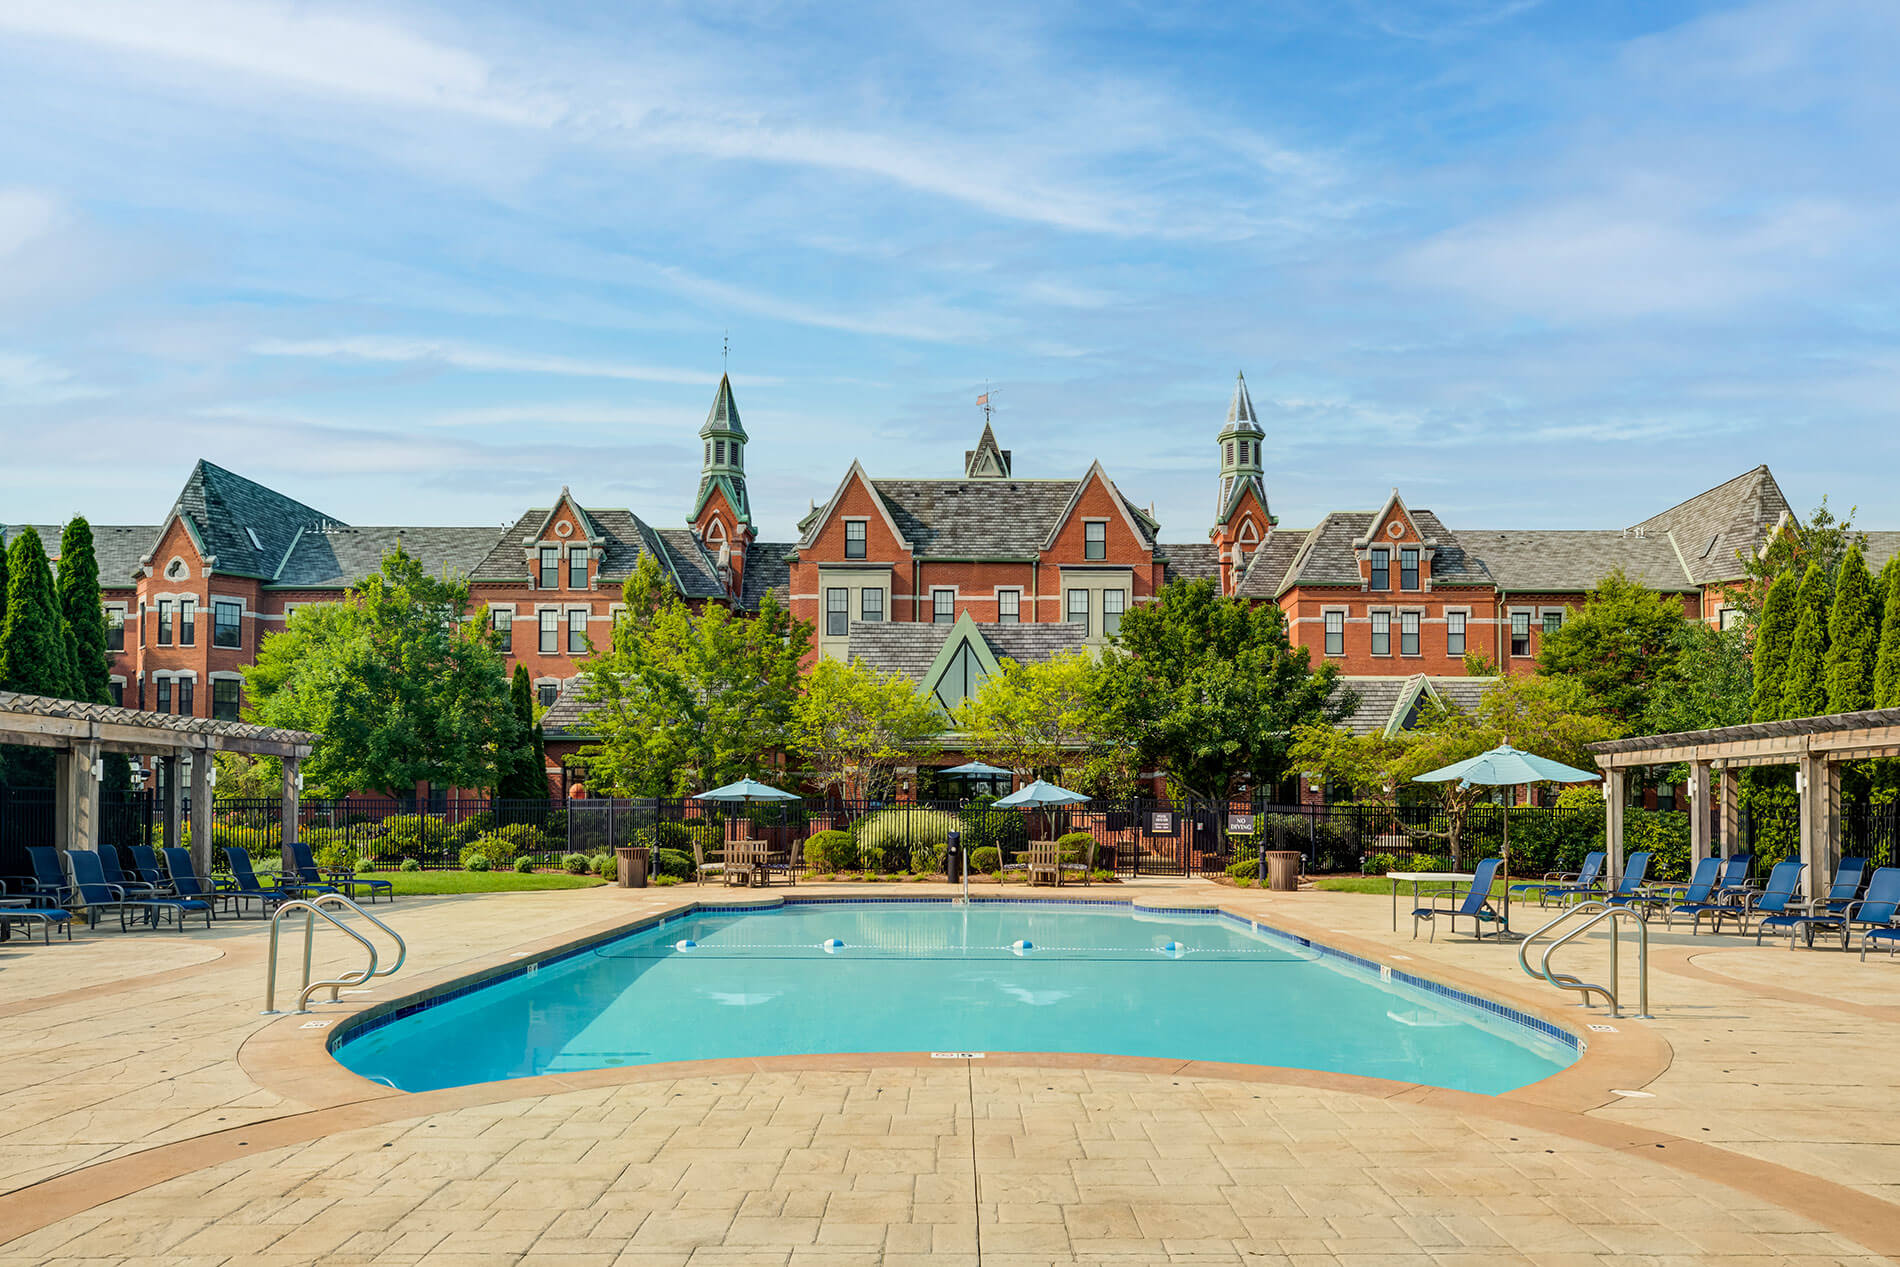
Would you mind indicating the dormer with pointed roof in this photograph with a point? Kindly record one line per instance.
(988, 460)
(1240, 457)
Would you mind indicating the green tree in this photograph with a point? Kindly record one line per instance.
(84, 613)
(1804, 693)
(853, 727)
(1210, 689)
(1887, 661)
(683, 701)
(1050, 716)
(34, 654)
(1623, 640)
(1852, 638)
(1774, 640)
(401, 686)
(521, 758)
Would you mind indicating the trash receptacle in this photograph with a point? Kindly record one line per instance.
(953, 858)
(632, 861)
(1283, 870)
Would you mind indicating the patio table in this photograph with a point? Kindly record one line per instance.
(1439, 878)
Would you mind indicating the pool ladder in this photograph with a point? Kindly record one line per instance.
(312, 910)
(1598, 912)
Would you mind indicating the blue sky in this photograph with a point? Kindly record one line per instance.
(1535, 264)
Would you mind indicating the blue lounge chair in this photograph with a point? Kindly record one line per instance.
(1563, 884)
(1694, 899)
(1473, 904)
(1878, 913)
(1629, 889)
(1770, 907)
(184, 878)
(244, 886)
(316, 881)
(37, 913)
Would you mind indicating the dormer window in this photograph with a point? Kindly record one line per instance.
(550, 568)
(1408, 569)
(1381, 578)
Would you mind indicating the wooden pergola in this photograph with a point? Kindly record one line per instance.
(81, 734)
(1815, 746)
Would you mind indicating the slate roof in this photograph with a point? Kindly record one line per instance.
(768, 566)
(1386, 700)
(911, 647)
(1522, 560)
(226, 509)
(1710, 528)
(117, 547)
(339, 557)
(1191, 561)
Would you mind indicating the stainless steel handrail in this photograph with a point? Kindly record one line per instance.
(1598, 912)
(311, 909)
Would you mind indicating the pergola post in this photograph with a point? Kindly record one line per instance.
(201, 810)
(82, 785)
(1731, 811)
(1613, 822)
(174, 805)
(289, 833)
(1698, 812)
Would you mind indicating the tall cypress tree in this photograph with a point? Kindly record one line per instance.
(84, 615)
(33, 652)
(1804, 694)
(1773, 639)
(1852, 638)
(1887, 659)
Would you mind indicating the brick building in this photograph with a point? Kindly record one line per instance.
(933, 577)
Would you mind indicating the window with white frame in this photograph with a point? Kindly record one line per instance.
(1454, 633)
(943, 606)
(837, 612)
(1520, 633)
(1335, 633)
(1408, 633)
(577, 631)
(1114, 602)
(550, 640)
(1095, 539)
(1009, 607)
(854, 538)
(871, 605)
(1381, 633)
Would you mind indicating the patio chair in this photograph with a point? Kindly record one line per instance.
(1770, 907)
(184, 877)
(114, 873)
(1629, 889)
(1562, 884)
(1084, 867)
(243, 886)
(1878, 913)
(314, 880)
(1694, 900)
(100, 895)
(1473, 904)
(33, 910)
(1041, 860)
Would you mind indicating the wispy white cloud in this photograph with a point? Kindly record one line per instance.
(388, 349)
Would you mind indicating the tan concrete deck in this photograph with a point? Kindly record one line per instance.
(150, 1115)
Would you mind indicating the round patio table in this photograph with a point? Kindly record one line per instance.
(1443, 878)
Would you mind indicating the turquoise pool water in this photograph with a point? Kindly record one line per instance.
(989, 977)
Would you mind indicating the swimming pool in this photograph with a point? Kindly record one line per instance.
(999, 976)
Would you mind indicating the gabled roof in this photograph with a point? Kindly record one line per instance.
(338, 557)
(1241, 419)
(912, 647)
(118, 548)
(246, 527)
(1387, 705)
(1711, 528)
(724, 414)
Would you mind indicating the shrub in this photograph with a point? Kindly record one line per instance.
(674, 864)
(987, 859)
(498, 850)
(831, 851)
(575, 864)
(606, 867)
(1075, 846)
(474, 862)
(410, 864)
(888, 839)
(524, 866)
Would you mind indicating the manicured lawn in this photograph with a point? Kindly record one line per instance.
(426, 882)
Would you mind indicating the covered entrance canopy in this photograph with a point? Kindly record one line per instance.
(1815, 746)
(82, 733)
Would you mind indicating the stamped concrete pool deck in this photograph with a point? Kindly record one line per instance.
(150, 1115)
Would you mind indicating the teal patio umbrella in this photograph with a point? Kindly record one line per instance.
(1505, 766)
